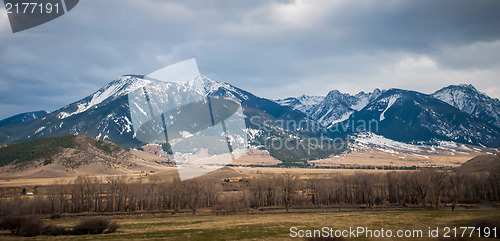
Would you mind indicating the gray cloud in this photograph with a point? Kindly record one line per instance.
(271, 48)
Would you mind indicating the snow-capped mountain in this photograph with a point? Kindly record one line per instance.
(468, 99)
(409, 116)
(23, 117)
(302, 103)
(362, 99)
(105, 114)
(399, 115)
(334, 108)
(111, 91)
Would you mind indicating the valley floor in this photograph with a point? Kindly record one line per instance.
(274, 226)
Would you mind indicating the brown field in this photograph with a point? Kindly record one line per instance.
(379, 158)
(272, 226)
(139, 164)
(153, 161)
(241, 171)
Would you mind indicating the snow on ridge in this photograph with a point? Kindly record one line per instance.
(381, 143)
(206, 86)
(63, 115)
(472, 101)
(344, 117)
(305, 102)
(126, 84)
(310, 100)
(391, 102)
(369, 139)
(121, 86)
(362, 103)
(39, 130)
(116, 88)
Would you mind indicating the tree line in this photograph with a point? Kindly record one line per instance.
(422, 188)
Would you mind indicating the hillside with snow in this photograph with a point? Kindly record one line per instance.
(455, 114)
(470, 100)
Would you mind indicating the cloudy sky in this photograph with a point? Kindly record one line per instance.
(273, 49)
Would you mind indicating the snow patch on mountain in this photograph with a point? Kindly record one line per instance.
(362, 99)
(128, 83)
(39, 130)
(368, 139)
(344, 117)
(116, 88)
(362, 103)
(390, 102)
(302, 103)
(23, 117)
(335, 107)
(471, 101)
(373, 141)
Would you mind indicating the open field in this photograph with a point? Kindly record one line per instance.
(271, 226)
(377, 158)
(6, 181)
(87, 157)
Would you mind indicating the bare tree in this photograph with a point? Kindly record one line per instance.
(288, 184)
(438, 180)
(421, 181)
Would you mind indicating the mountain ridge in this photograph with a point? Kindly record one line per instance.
(23, 117)
(105, 115)
(468, 99)
(410, 116)
(335, 107)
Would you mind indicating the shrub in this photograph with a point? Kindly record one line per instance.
(113, 226)
(55, 216)
(54, 230)
(12, 223)
(95, 226)
(32, 226)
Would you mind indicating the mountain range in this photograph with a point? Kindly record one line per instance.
(458, 113)
(471, 101)
(105, 115)
(335, 107)
(23, 117)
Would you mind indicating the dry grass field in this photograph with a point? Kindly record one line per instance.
(377, 158)
(270, 226)
(227, 172)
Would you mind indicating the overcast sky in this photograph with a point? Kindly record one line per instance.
(274, 49)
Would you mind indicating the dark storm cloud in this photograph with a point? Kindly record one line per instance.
(271, 48)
